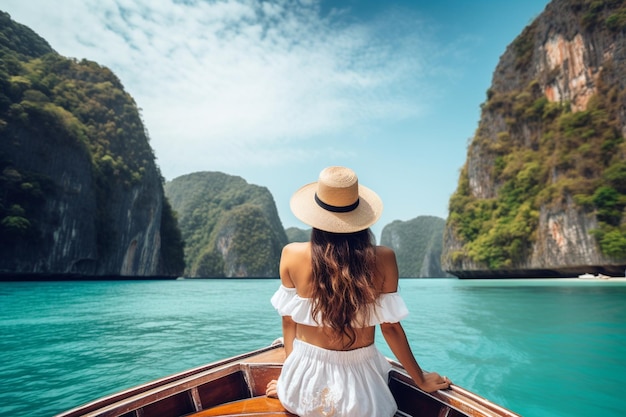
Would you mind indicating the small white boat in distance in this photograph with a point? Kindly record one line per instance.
(599, 276)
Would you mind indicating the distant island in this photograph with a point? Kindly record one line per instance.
(230, 228)
(418, 244)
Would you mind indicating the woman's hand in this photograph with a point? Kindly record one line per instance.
(433, 381)
(270, 391)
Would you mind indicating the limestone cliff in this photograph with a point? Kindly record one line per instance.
(80, 193)
(231, 228)
(543, 189)
(418, 244)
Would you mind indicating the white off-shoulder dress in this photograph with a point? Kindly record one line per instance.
(321, 382)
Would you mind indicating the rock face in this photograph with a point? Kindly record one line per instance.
(69, 239)
(543, 189)
(418, 244)
(80, 191)
(231, 228)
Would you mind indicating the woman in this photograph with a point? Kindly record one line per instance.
(334, 290)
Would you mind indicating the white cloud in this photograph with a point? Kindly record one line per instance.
(232, 79)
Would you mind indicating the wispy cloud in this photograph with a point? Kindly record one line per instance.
(231, 80)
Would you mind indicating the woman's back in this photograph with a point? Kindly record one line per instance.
(297, 272)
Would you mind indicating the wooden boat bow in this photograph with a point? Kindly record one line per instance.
(236, 387)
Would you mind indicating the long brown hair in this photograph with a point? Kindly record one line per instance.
(343, 288)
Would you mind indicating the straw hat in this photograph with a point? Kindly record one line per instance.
(337, 203)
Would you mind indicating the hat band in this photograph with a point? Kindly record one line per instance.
(336, 209)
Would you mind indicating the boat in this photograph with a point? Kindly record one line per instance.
(591, 276)
(236, 387)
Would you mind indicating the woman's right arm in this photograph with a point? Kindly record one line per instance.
(397, 341)
(394, 332)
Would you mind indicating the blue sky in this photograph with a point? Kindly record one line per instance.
(275, 91)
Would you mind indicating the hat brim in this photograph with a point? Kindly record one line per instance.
(305, 208)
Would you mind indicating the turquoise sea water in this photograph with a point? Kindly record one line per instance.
(543, 348)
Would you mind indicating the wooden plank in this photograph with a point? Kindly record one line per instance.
(462, 403)
(257, 406)
(195, 399)
(411, 401)
(231, 387)
(473, 404)
(171, 406)
(276, 355)
(258, 375)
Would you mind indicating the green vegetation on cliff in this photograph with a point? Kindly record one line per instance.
(22, 193)
(21, 198)
(230, 228)
(544, 154)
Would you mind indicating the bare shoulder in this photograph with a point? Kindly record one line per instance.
(296, 248)
(295, 264)
(388, 268)
(385, 253)
(295, 252)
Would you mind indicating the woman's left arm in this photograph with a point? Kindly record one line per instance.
(289, 326)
